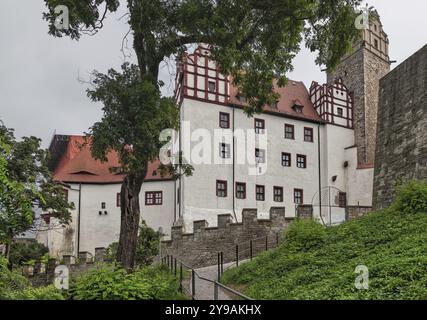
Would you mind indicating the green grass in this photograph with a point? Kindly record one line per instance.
(315, 262)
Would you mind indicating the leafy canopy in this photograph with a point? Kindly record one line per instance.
(25, 184)
(253, 41)
(134, 116)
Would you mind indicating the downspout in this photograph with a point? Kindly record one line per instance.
(320, 172)
(78, 219)
(234, 170)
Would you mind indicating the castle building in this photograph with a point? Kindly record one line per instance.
(313, 147)
(361, 71)
(95, 192)
(303, 150)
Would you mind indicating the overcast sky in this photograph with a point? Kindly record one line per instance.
(40, 91)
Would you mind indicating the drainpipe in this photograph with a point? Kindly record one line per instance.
(78, 219)
(320, 170)
(234, 170)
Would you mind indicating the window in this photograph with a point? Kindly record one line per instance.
(278, 194)
(286, 159)
(259, 126)
(102, 205)
(298, 196)
(301, 161)
(340, 112)
(221, 188)
(118, 199)
(308, 134)
(224, 120)
(240, 190)
(297, 108)
(376, 43)
(260, 193)
(259, 155)
(342, 199)
(289, 131)
(224, 150)
(211, 86)
(153, 198)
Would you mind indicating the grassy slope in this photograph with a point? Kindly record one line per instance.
(319, 263)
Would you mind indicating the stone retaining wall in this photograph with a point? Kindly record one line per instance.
(200, 248)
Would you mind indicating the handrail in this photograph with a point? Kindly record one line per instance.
(237, 293)
(214, 282)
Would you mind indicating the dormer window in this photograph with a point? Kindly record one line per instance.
(297, 108)
(274, 104)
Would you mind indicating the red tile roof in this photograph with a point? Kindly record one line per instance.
(294, 93)
(76, 165)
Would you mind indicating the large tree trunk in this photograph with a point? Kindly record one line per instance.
(130, 216)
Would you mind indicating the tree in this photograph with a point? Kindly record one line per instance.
(26, 183)
(252, 41)
(146, 249)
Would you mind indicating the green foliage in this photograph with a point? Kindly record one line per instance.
(147, 246)
(259, 38)
(305, 235)
(24, 252)
(42, 293)
(134, 117)
(111, 283)
(411, 197)
(320, 264)
(10, 281)
(14, 286)
(25, 183)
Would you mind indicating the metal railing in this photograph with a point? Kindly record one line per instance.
(235, 254)
(179, 272)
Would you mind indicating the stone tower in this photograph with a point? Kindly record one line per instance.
(361, 71)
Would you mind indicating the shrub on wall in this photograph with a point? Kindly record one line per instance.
(22, 252)
(411, 197)
(147, 246)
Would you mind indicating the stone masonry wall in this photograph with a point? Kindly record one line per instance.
(42, 275)
(361, 72)
(401, 151)
(354, 212)
(351, 71)
(201, 248)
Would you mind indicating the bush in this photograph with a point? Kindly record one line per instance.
(147, 246)
(304, 235)
(111, 283)
(22, 252)
(42, 293)
(411, 197)
(14, 286)
(10, 281)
